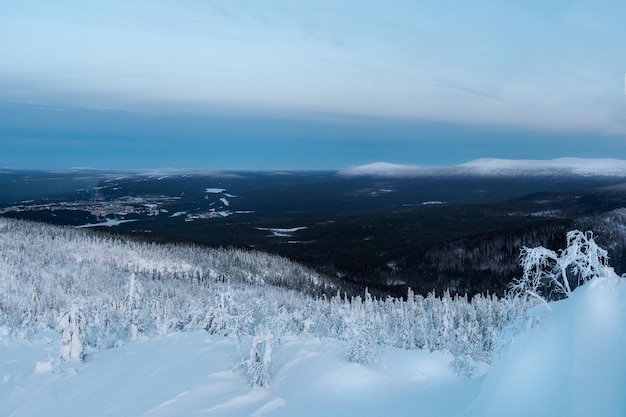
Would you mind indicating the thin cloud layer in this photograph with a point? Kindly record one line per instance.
(555, 65)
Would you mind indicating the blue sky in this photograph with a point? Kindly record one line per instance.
(308, 84)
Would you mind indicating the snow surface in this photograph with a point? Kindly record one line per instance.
(107, 223)
(496, 167)
(570, 364)
(281, 232)
(566, 360)
(191, 374)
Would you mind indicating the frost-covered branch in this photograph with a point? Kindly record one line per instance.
(548, 275)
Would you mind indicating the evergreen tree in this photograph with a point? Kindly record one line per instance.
(72, 326)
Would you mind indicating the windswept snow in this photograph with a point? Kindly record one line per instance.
(497, 168)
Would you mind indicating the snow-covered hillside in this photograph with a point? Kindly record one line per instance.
(123, 289)
(160, 331)
(497, 168)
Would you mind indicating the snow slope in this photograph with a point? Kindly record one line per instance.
(565, 360)
(191, 374)
(571, 364)
(496, 167)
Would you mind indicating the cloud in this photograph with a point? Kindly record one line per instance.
(545, 66)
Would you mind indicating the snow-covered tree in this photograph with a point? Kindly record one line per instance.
(127, 288)
(135, 293)
(548, 274)
(258, 365)
(72, 326)
(365, 336)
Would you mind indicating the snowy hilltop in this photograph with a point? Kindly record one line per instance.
(94, 325)
(496, 168)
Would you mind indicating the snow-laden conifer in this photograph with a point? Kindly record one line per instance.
(365, 337)
(135, 293)
(72, 326)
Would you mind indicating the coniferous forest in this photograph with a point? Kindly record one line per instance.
(116, 290)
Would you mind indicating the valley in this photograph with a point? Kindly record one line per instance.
(382, 232)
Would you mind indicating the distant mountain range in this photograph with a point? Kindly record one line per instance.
(496, 168)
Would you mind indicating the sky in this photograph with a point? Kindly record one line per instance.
(308, 84)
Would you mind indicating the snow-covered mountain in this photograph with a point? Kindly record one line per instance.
(488, 167)
(387, 170)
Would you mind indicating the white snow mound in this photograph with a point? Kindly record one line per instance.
(571, 364)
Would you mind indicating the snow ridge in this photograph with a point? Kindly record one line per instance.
(489, 167)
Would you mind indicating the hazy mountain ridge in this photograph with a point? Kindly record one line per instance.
(489, 167)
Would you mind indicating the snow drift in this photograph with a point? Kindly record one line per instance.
(571, 364)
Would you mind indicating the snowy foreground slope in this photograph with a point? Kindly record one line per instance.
(161, 343)
(190, 374)
(571, 364)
